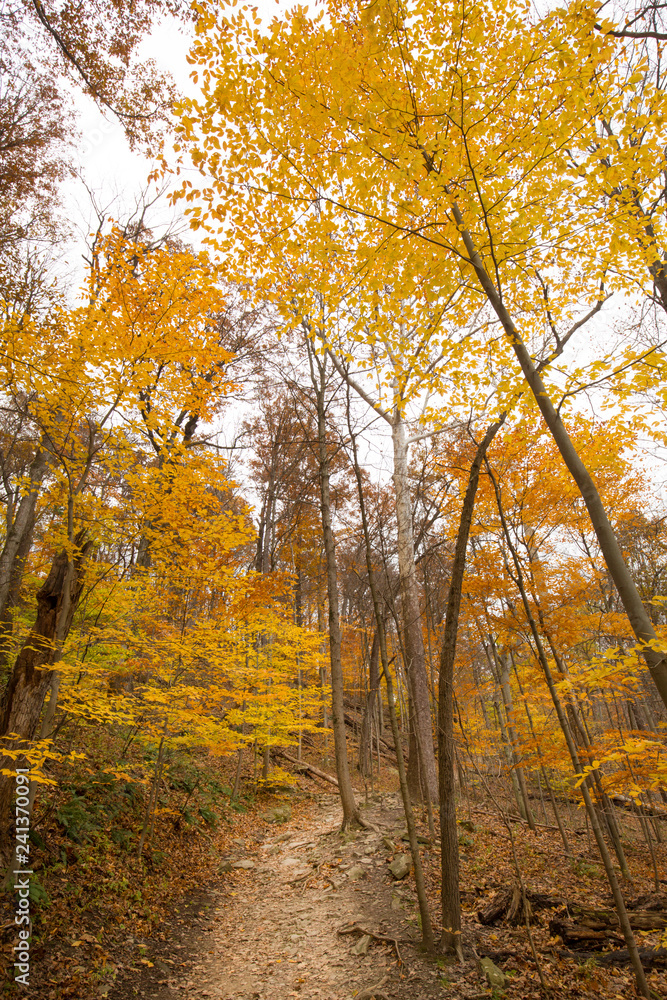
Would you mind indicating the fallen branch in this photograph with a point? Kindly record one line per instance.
(519, 819)
(373, 992)
(304, 766)
(596, 926)
(389, 747)
(591, 937)
(302, 878)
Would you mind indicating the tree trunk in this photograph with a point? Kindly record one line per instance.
(12, 595)
(552, 797)
(424, 912)
(591, 812)
(24, 695)
(365, 750)
(449, 857)
(501, 661)
(611, 551)
(421, 766)
(20, 532)
(337, 705)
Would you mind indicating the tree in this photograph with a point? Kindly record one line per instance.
(33, 136)
(131, 363)
(422, 780)
(426, 155)
(96, 47)
(319, 377)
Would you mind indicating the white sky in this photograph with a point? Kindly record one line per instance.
(108, 168)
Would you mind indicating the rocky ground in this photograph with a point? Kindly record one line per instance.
(299, 909)
(306, 912)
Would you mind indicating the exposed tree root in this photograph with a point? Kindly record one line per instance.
(358, 929)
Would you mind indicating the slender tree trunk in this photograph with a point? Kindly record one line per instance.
(427, 927)
(591, 811)
(421, 766)
(552, 797)
(365, 741)
(13, 591)
(449, 856)
(151, 805)
(611, 551)
(592, 815)
(337, 705)
(237, 775)
(508, 751)
(23, 524)
(502, 664)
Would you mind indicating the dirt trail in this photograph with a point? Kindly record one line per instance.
(273, 930)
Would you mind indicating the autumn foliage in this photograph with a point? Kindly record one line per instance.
(391, 426)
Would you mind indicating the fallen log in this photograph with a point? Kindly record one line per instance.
(649, 957)
(597, 926)
(640, 920)
(649, 901)
(304, 766)
(508, 901)
(499, 956)
(496, 908)
(572, 933)
(579, 919)
(622, 801)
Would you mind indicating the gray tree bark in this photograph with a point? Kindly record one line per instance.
(19, 535)
(424, 912)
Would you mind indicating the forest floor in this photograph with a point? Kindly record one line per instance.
(273, 901)
(316, 914)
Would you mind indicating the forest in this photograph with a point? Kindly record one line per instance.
(333, 557)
